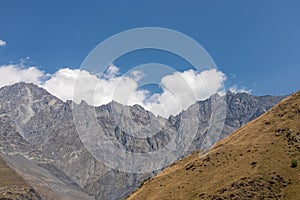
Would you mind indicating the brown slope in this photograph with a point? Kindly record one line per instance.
(13, 186)
(254, 162)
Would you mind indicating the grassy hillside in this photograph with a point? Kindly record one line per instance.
(261, 160)
(13, 186)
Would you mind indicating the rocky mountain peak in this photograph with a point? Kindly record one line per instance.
(48, 126)
(23, 89)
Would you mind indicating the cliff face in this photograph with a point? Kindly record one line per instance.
(258, 161)
(38, 132)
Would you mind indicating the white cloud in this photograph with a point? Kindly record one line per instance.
(137, 75)
(112, 71)
(2, 43)
(236, 89)
(81, 85)
(180, 89)
(10, 74)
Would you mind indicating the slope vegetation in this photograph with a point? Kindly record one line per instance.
(258, 161)
(13, 186)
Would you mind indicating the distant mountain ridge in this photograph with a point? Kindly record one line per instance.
(46, 140)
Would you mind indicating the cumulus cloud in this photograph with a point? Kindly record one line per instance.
(112, 71)
(237, 89)
(2, 43)
(179, 89)
(137, 75)
(81, 85)
(10, 74)
(182, 89)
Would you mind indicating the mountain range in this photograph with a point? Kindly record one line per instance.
(41, 138)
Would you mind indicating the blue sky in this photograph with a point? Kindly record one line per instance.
(255, 43)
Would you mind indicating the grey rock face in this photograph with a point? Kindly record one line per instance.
(242, 108)
(34, 166)
(38, 129)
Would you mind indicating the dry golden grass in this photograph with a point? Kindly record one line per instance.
(254, 162)
(8, 177)
(13, 186)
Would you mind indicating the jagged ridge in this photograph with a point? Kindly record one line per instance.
(50, 142)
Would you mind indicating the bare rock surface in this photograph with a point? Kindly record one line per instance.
(38, 137)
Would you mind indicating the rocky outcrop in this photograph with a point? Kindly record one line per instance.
(22, 193)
